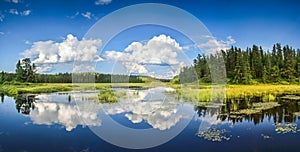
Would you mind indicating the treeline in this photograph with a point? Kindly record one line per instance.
(67, 78)
(26, 72)
(253, 65)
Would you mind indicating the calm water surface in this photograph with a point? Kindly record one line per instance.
(52, 122)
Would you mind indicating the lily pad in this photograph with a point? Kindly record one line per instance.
(214, 135)
(265, 136)
(297, 113)
(256, 108)
(286, 128)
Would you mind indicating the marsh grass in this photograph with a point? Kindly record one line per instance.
(36, 88)
(267, 92)
(109, 96)
(12, 90)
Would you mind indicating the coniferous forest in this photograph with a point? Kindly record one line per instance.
(250, 66)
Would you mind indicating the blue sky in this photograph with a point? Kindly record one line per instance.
(23, 22)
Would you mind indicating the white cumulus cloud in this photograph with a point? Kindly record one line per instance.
(49, 53)
(161, 50)
(212, 45)
(102, 2)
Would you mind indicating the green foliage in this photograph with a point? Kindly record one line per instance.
(25, 71)
(281, 65)
(88, 78)
(268, 98)
(107, 96)
(175, 80)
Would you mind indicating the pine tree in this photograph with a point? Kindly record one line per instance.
(298, 63)
(19, 72)
(275, 74)
(241, 71)
(264, 75)
(231, 61)
(279, 56)
(2, 77)
(274, 56)
(197, 65)
(246, 69)
(289, 63)
(257, 66)
(25, 71)
(268, 67)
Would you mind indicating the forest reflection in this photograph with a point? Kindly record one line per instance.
(279, 114)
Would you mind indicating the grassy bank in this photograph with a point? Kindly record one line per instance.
(201, 93)
(35, 88)
(205, 93)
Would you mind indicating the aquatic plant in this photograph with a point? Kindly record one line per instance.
(214, 134)
(297, 113)
(265, 136)
(107, 96)
(286, 128)
(256, 108)
(291, 97)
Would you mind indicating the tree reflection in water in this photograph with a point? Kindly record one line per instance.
(25, 103)
(2, 97)
(282, 113)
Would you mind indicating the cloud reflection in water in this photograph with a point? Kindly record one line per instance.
(152, 106)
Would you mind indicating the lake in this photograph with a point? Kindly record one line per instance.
(144, 120)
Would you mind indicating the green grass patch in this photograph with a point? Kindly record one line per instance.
(206, 93)
(107, 96)
(12, 90)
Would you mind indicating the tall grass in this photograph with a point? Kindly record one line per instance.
(267, 92)
(12, 90)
